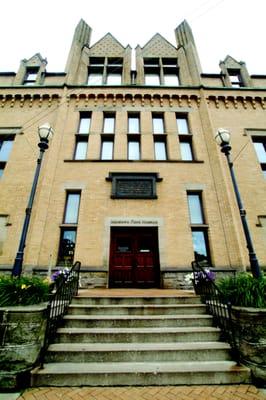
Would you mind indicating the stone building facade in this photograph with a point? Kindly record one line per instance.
(133, 184)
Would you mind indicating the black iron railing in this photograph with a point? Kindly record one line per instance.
(64, 289)
(216, 303)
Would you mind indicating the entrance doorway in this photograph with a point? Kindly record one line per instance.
(134, 258)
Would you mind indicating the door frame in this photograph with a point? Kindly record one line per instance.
(121, 221)
(152, 279)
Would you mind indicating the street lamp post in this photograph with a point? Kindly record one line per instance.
(223, 139)
(45, 134)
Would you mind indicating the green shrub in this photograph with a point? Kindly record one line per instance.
(244, 290)
(26, 290)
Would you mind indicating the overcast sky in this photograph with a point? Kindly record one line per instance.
(220, 27)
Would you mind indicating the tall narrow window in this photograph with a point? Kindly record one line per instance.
(152, 71)
(68, 233)
(158, 123)
(260, 148)
(182, 124)
(133, 148)
(82, 136)
(84, 123)
(96, 71)
(160, 149)
(107, 148)
(6, 144)
(109, 123)
(186, 149)
(3, 231)
(198, 227)
(195, 208)
(72, 208)
(133, 123)
(81, 148)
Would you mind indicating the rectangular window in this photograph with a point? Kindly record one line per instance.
(84, 123)
(161, 71)
(133, 149)
(198, 227)
(67, 246)
(5, 148)
(186, 150)
(171, 79)
(133, 123)
(260, 148)
(235, 78)
(158, 123)
(95, 77)
(152, 78)
(160, 149)
(182, 125)
(2, 167)
(109, 123)
(200, 244)
(72, 208)
(30, 76)
(81, 148)
(6, 144)
(107, 148)
(3, 231)
(114, 78)
(195, 208)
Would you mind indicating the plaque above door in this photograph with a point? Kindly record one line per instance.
(129, 185)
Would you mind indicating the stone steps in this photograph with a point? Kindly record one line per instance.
(120, 321)
(136, 300)
(122, 340)
(139, 335)
(138, 352)
(142, 373)
(133, 309)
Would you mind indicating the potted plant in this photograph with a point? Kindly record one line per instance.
(23, 318)
(248, 298)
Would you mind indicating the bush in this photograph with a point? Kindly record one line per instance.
(244, 290)
(26, 290)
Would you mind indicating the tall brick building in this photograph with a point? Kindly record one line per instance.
(133, 184)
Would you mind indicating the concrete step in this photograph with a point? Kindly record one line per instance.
(137, 335)
(140, 309)
(135, 300)
(142, 373)
(120, 321)
(137, 352)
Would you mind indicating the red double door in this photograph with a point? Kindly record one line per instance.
(134, 258)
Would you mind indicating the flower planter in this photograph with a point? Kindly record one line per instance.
(250, 328)
(22, 332)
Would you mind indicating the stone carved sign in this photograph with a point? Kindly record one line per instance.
(133, 185)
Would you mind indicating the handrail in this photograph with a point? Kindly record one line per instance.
(217, 304)
(62, 294)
